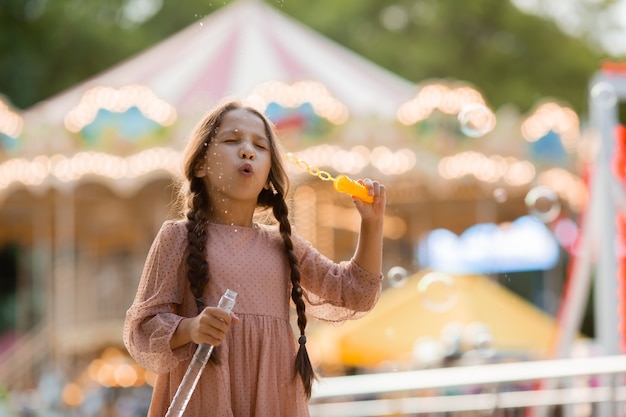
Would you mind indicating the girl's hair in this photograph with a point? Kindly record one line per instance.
(197, 205)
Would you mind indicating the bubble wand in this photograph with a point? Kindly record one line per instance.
(341, 183)
(195, 368)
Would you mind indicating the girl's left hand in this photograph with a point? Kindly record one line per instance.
(375, 209)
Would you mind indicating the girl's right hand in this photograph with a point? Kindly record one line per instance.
(211, 326)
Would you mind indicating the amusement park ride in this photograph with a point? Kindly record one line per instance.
(601, 258)
(603, 236)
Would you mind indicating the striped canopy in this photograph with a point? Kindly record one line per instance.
(234, 52)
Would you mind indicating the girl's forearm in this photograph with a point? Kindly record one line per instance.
(369, 250)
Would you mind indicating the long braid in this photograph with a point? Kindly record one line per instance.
(303, 363)
(198, 272)
(198, 267)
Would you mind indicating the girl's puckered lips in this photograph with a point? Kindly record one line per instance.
(246, 169)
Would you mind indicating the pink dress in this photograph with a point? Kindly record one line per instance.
(255, 376)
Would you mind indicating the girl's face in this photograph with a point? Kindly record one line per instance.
(238, 159)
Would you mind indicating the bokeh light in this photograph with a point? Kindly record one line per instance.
(296, 94)
(448, 99)
(11, 123)
(72, 395)
(551, 116)
(119, 101)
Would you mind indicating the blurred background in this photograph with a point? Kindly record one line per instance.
(497, 127)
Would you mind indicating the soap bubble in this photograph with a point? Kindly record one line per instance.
(476, 120)
(500, 195)
(452, 338)
(603, 94)
(397, 276)
(543, 203)
(428, 351)
(437, 291)
(477, 336)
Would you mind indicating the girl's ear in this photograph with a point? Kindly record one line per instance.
(270, 187)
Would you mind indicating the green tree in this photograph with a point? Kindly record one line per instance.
(511, 56)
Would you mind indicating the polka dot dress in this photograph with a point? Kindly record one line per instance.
(255, 373)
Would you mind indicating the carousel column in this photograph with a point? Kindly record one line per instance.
(39, 294)
(42, 266)
(64, 271)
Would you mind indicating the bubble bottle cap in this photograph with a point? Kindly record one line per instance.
(349, 186)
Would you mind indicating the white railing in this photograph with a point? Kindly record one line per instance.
(483, 388)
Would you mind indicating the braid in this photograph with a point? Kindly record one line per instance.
(303, 363)
(197, 273)
(198, 267)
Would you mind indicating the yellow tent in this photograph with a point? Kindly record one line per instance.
(422, 308)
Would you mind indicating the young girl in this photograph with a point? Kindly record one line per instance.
(232, 168)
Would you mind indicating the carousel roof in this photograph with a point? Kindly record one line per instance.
(235, 50)
(149, 103)
(128, 122)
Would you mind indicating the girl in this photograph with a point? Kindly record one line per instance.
(232, 167)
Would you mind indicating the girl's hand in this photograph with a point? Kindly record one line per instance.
(376, 209)
(211, 326)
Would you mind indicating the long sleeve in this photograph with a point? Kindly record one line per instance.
(335, 292)
(151, 320)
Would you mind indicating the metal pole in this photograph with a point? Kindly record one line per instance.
(606, 90)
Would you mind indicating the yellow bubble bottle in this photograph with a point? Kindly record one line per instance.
(342, 183)
(347, 185)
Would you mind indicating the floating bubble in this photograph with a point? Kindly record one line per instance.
(452, 338)
(543, 203)
(428, 351)
(478, 337)
(500, 195)
(603, 94)
(397, 276)
(476, 120)
(437, 291)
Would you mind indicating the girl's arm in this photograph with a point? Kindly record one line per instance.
(336, 292)
(369, 250)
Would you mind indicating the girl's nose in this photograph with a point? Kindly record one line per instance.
(247, 151)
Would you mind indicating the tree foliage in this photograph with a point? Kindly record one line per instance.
(512, 57)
